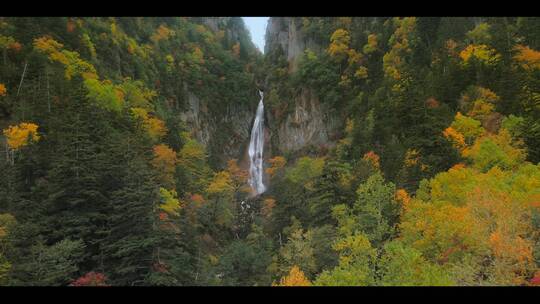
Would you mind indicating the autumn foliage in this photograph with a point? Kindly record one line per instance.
(339, 45)
(91, 279)
(164, 161)
(404, 151)
(162, 33)
(276, 163)
(481, 53)
(295, 278)
(535, 281)
(20, 135)
(528, 58)
(71, 61)
(372, 158)
(400, 41)
(457, 139)
(403, 197)
(154, 126)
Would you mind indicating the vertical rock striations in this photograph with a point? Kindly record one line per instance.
(311, 123)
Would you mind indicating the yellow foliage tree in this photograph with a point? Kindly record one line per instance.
(222, 184)
(495, 150)
(478, 101)
(71, 61)
(3, 90)
(221, 191)
(295, 278)
(192, 161)
(339, 44)
(8, 43)
(372, 158)
(162, 33)
(482, 53)
(50, 47)
(154, 126)
(339, 50)
(371, 45)
(86, 41)
(238, 175)
(136, 94)
(456, 138)
(400, 47)
(276, 163)
(412, 157)
(468, 215)
(528, 58)
(504, 219)
(20, 135)
(361, 72)
(165, 163)
(169, 201)
(105, 94)
(481, 109)
(437, 228)
(468, 127)
(403, 197)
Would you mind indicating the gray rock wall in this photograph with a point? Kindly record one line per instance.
(286, 33)
(311, 123)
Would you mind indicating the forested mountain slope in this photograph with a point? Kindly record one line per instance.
(400, 151)
(119, 113)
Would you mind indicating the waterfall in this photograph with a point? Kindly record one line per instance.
(256, 146)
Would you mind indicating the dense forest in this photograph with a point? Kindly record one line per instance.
(400, 151)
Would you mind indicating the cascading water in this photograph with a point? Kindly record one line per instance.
(256, 146)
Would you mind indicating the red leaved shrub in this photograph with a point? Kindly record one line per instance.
(91, 279)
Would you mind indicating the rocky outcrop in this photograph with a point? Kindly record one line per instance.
(215, 23)
(286, 33)
(310, 124)
(229, 131)
(232, 27)
(225, 134)
(195, 119)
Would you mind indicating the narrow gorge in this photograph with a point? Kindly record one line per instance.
(353, 151)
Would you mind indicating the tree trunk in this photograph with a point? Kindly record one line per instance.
(77, 150)
(22, 78)
(48, 95)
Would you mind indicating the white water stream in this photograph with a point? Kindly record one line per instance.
(256, 146)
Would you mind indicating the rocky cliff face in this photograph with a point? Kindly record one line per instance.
(230, 25)
(311, 123)
(285, 32)
(225, 134)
